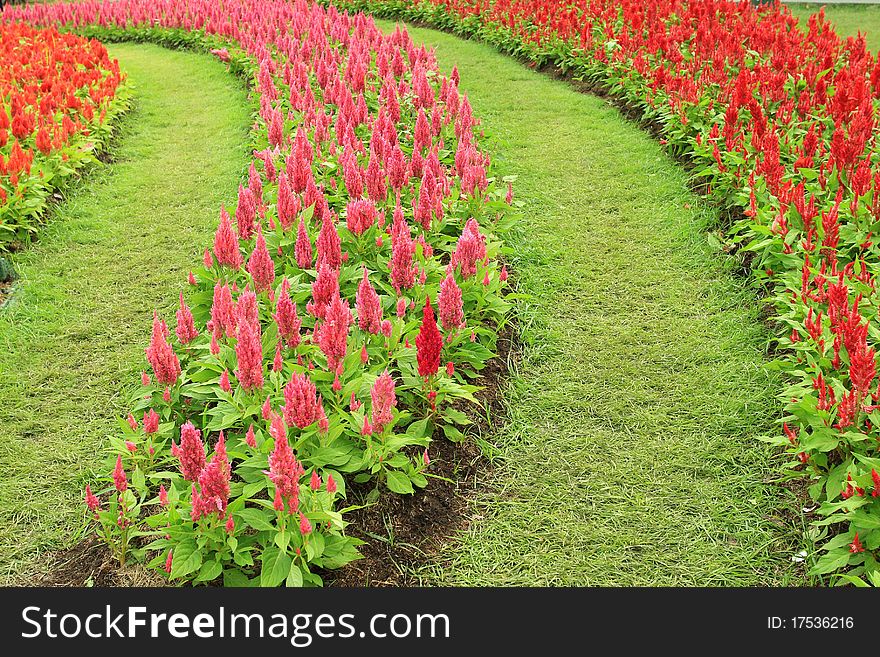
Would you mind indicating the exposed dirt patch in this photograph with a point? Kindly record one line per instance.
(89, 563)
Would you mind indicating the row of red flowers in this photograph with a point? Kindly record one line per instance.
(55, 94)
(349, 296)
(781, 123)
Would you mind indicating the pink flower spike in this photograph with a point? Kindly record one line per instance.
(230, 526)
(331, 484)
(315, 482)
(91, 499)
(305, 527)
(168, 561)
(503, 275)
(186, 328)
(278, 363)
(250, 439)
(266, 409)
(166, 396)
(450, 368)
(145, 379)
(163, 495)
(364, 355)
(191, 279)
(425, 458)
(224, 382)
(132, 422)
(208, 259)
(368, 428)
(130, 446)
(119, 478)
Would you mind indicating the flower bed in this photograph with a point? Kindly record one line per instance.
(350, 296)
(58, 96)
(780, 127)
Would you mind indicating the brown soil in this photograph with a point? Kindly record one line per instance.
(89, 563)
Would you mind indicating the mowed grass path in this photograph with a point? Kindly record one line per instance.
(72, 340)
(848, 20)
(631, 455)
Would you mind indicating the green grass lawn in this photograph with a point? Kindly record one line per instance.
(72, 339)
(631, 455)
(848, 20)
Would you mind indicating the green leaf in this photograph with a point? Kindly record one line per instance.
(276, 566)
(257, 519)
(234, 578)
(294, 577)
(398, 482)
(210, 571)
(187, 559)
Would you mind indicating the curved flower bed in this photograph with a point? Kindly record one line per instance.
(58, 94)
(781, 126)
(348, 298)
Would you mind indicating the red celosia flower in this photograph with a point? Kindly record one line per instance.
(163, 495)
(331, 484)
(224, 382)
(856, 546)
(161, 355)
(325, 287)
(222, 311)
(169, 561)
(132, 422)
(214, 484)
(249, 438)
(360, 215)
(315, 482)
(305, 527)
(429, 342)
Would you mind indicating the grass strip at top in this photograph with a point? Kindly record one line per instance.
(631, 454)
(848, 20)
(72, 338)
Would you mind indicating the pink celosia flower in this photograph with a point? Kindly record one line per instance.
(429, 342)
(222, 311)
(191, 279)
(315, 482)
(249, 438)
(303, 248)
(169, 561)
(190, 452)
(214, 484)
(186, 328)
(365, 356)
(450, 306)
(402, 251)
(249, 351)
(331, 484)
(360, 215)
(286, 317)
(450, 368)
(285, 472)
(161, 355)
(329, 246)
(224, 382)
(91, 500)
(368, 306)
(260, 264)
(207, 259)
(245, 213)
(325, 287)
(288, 204)
(300, 401)
(471, 249)
(130, 446)
(226, 243)
(230, 525)
(425, 458)
(503, 275)
(305, 527)
(119, 479)
(333, 333)
(132, 422)
(163, 495)
(323, 422)
(145, 379)
(278, 363)
(384, 399)
(151, 422)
